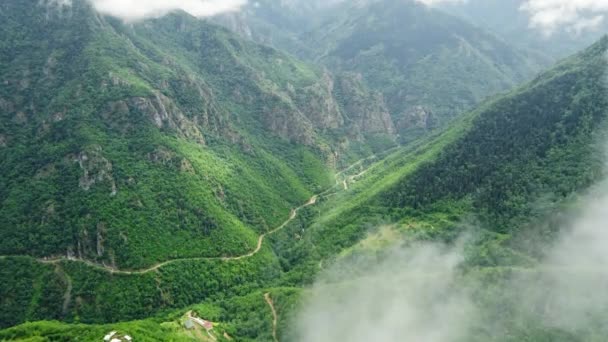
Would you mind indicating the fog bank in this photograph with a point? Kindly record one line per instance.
(418, 293)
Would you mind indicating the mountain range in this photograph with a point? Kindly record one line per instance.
(157, 171)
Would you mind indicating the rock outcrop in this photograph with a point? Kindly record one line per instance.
(416, 117)
(95, 169)
(365, 110)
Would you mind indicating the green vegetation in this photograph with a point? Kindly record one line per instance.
(504, 167)
(124, 146)
(546, 128)
(430, 66)
(129, 145)
(244, 318)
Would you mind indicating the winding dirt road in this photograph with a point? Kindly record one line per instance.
(292, 216)
(275, 317)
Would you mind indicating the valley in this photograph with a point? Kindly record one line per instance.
(287, 171)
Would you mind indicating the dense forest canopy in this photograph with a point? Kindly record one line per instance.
(276, 170)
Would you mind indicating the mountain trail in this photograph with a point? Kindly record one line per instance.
(294, 213)
(270, 303)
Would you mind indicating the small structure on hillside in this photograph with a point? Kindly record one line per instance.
(203, 323)
(188, 324)
(114, 336)
(109, 336)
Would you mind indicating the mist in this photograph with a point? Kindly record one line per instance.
(421, 293)
(575, 272)
(410, 296)
(571, 15)
(132, 10)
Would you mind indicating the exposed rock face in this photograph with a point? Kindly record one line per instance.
(20, 118)
(96, 169)
(186, 167)
(367, 111)
(162, 155)
(332, 103)
(165, 114)
(183, 105)
(416, 117)
(319, 105)
(46, 171)
(101, 230)
(166, 157)
(159, 109)
(201, 107)
(284, 119)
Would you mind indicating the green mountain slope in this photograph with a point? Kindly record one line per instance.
(385, 202)
(143, 163)
(130, 144)
(127, 145)
(430, 66)
(505, 165)
(546, 128)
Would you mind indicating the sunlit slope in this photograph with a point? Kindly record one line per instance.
(512, 160)
(133, 144)
(243, 318)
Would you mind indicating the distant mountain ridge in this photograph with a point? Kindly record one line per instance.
(430, 66)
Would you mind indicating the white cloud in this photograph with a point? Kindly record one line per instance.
(571, 15)
(437, 2)
(411, 295)
(141, 9)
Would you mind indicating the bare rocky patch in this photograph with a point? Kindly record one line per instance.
(96, 169)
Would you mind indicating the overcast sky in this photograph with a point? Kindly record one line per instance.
(550, 15)
(546, 15)
(574, 15)
(140, 9)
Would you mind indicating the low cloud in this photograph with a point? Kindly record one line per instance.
(437, 2)
(418, 293)
(576, 268)
(574, 16)
(410, 296)
(132, 10)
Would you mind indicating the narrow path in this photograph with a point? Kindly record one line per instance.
(292, 216)
(274, 316)
(155, 267)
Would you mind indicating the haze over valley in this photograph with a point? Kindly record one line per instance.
(290, 170)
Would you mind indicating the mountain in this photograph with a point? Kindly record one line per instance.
(506, 19)
(170, 129)
(506, 166)
(160, 170)
(495, 161)
(279, 23)
(429, 65)
(125, 145)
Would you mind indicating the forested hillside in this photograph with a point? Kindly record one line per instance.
(127, 145)
(503, 167)
(157, 171)
(115, 137)
(429, 65)
(547, 128)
